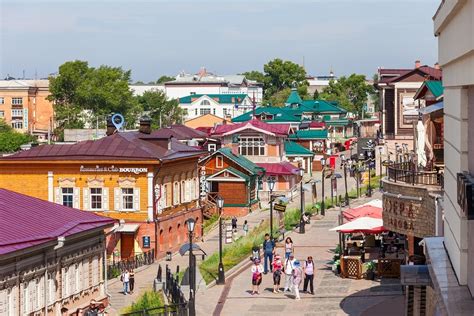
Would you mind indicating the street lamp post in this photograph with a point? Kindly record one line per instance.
(323, 164)
(369, 188)
(344, 164)
(221, 275)
(302, 223)
(191, 223)
(271, 186)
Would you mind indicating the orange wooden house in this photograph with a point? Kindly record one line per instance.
(148, 182)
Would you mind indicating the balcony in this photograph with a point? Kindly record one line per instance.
(409, 173)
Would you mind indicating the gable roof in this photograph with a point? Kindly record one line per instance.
(28, 221)
(178, 131)
(240, 160)
(279, 168)
(294, 97)
(424, 71)
(233, 171)
(259, 126)
(322, 106)
(434, 86)
(310, 134)
(131, 146)
(280, 114)
(294, 149)
(237, 98)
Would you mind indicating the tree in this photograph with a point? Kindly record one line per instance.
(374, 93)
(83, 94)
(316, 94)
(162, 111)
(11, 140)
(351, 92)
(254, 75)
(281, 74)
(164, 79)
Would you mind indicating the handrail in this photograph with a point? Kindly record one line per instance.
(407, 172)
(141, 259)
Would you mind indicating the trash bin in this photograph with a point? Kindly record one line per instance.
(169, 255)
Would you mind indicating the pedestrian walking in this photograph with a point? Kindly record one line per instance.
(277, 267)
(268, 249)
(125, 278)
(132, 280)
(256, 270)
(245, 228)
(288, 269)
(288, 247)
(234, 223)
(309, 275)
(297, 278)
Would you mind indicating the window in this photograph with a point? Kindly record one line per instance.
(211, 147)
(2, 100)
(67, 196)
(205, 102)
(51, 288)
(195, 112)
(226, 112)
(26, 297)
(17, 124)
(204, 111)
(17, 101)
(183, 190)
(219, 161)
(78, 278)
(176, 193)
(214, 111)
(127, 198)
(2, 114)
(96, 198)
(17, 112)
(251, 146)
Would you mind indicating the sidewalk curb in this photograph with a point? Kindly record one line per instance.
(232, 271)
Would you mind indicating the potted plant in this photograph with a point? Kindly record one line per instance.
(370, 270)
(336, 267)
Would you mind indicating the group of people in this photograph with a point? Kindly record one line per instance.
(294, 270)
(128, 280)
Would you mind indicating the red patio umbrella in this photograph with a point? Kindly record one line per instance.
(362, 211)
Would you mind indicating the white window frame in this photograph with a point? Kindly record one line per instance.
(97, 195)
(219, 161)
(182, 191)
(252, 146)
(17, 112)
(51, 288)
(17, 101)
(63, 195)
(26, 298)
(204, 111)
(205, 102)
(176, 193)
(2, 113)
(211, 147)
(2, 100)
(127, 194)
(17, 124)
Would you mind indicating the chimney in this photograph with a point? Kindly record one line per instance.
(417, 64)
(436, 66)
(145, 125)
(110, 127)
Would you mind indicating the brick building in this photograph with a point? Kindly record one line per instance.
(51, 257)
(147, 181)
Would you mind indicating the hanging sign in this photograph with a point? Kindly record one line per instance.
(279, 207)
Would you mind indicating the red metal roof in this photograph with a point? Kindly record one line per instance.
(178, 131)
(279, 168)
(120, 146)
(362, 211)
(26, 221)
(316, 124)
(278, 129)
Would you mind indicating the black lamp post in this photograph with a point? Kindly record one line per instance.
(369, 188)
(323, 164)
(220, 276)
(302, 223)
(191, 223)
(271, 186)
(344, 164)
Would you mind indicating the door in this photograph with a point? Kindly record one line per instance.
(127, 245)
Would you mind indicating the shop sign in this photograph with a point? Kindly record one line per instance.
(203, 183)
(113, 169)
(279, 207)
(146, 241)
(399, 215)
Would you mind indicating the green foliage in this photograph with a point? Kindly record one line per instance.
(351, 92)
(316, 95)
(11, 140)
(254, 75)
(374, 94)
(370, 266)
(210, 223)
(164, 79)
(114, 272)
(83, 94)
(163, 112)
(148, 299)
(233, 253)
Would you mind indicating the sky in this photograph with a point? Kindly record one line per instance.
(154, 38)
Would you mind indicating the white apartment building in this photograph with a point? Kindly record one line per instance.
(222, 105)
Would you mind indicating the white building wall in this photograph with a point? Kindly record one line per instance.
(454, 25)
(140, 89)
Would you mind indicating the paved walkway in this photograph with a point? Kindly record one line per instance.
(333, 295)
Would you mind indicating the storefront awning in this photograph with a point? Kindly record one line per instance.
(432, 108)
(128, 228)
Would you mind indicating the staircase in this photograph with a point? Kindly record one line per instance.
(209, 208)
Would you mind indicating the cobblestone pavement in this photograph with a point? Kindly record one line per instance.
(333, 295)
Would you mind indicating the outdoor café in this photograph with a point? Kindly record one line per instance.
(367, 247)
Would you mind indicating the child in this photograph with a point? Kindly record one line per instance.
(257, 271)
(277, 267)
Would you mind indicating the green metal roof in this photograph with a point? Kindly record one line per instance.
(280, 114)
(322, 106)
(294, 97)
(238, 173)
(310, 134)
(341, 122)
(241, 161)
(222, 98)
(294, 149)
(436, 87)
